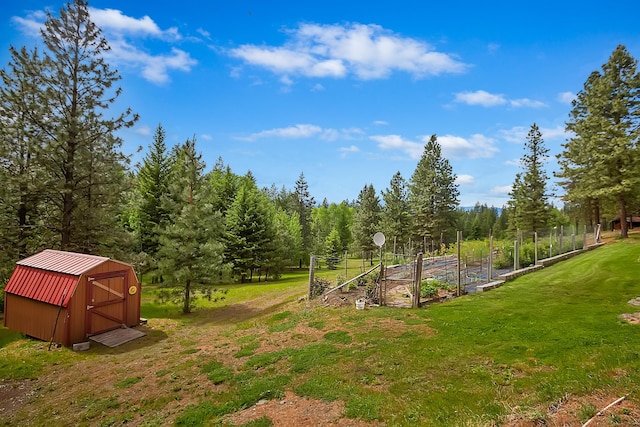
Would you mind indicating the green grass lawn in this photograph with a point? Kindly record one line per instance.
(478, 360)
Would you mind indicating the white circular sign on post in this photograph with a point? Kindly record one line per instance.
(379, 239)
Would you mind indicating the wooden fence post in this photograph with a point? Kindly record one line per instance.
(459, 239)
(311, 274)
(415, 303)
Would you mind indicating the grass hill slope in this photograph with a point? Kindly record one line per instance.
(549, 348)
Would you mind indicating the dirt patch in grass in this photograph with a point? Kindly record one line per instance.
(575, 411)
(633, 318)
(294, 411)
(13, 394)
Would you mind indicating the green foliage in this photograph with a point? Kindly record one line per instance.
(366, 218)
(333, 249)
(302, 202)
(599, 162)
(433, 194)
(481, 221)
(395, 212)
(319, 286)
(249, 230)
(152, 186)
(528, 205)
(191, 251)
(428, 289)
(62, 165)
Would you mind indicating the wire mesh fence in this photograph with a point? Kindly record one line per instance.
(482, 261)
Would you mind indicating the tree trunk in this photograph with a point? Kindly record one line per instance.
(622, 207)
(596, 210)
(186, 309)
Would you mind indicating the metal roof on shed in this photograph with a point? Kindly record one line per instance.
(63, 262)
(42, 285)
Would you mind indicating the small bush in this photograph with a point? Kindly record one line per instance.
(428, 289)
(319, 286)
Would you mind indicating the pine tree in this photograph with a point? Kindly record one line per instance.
(80, 156)
(249, 231)
(529, 198)
(21, 192)
(333, 249)
(433, 195)
(395, 213)
(302, 203)
(224, 185)
(366, 218)
(600, 162)
(152, 185)
(190, 255)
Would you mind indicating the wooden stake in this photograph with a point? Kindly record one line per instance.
(601, 412)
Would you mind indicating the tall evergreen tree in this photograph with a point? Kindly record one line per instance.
(529, 198)
(600, 162)
(190, 255)
(433, 195)
(80, 155)
(20, 173)
(366, 218)
(152, 185)
(302, 204)
(395, 213)
(224, 185)
(249, 230)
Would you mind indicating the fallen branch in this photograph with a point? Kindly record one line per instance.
(601, 412)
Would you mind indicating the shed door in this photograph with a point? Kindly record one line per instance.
(106, 302)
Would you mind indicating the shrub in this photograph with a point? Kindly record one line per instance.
(428, 288)
(319, 286)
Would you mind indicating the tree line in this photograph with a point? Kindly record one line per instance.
(68, 185)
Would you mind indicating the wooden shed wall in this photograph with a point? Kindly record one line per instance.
(35, 318)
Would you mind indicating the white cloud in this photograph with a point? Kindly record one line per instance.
(513, 162)
(126, 37)
(475, 147)
(486, 99)
(380, 122)
(566, 97)
(304, 131)
(396, 142)
(344, 151)
(465, 180)
(204, 33)
(502, 190)
(286, 80)
(206, 137)
(365, 51)
(32, 24)
(317, 87)
(526, 102)
(291, 132)
(113, 21)
(518, 134)
(480, 97)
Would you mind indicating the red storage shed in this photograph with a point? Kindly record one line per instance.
(76, 295)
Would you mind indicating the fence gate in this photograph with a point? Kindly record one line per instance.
(106, 302)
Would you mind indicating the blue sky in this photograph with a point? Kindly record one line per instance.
(349, 92)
